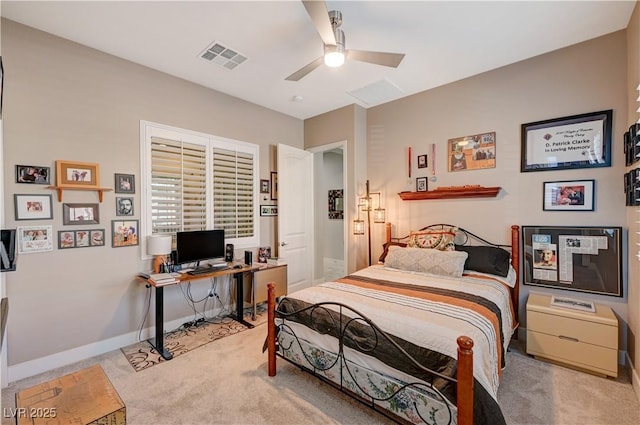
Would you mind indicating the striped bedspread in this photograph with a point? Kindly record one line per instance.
(424, 314)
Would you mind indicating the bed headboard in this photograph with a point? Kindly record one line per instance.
(464, 236)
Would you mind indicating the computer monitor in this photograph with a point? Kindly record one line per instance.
(199, 245)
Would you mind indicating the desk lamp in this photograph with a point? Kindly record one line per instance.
(159, 246)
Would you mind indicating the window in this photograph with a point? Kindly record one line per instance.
(193, 181)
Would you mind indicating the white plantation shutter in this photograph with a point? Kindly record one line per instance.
(233, 177)
(194, 181)
(178, 186)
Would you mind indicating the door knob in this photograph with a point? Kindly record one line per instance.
(283, 244)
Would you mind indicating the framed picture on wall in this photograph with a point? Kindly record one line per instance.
(79, 174)
(577, 141)
(124, 233)
(34, 239)
(33, 207)
(33, 174)
(80, 214)
(569, 195)
(125, 183)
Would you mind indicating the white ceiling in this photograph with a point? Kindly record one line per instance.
(444, 41)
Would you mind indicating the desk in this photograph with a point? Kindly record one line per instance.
(158, 341)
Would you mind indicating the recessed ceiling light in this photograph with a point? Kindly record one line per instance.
(297, 98)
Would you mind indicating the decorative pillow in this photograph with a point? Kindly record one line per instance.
(386, 249)
(441, 239)
(434, 261)
(487, 259)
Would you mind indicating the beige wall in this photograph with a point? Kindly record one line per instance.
(66, 101)
(633, 216)
(345, 124)
(587, 77)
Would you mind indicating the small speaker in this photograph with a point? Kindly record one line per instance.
(248, 258)
(228, 253)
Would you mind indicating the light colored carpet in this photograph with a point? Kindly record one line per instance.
(226, 382)
(142, 355)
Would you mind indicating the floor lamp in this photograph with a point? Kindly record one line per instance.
(365, 204)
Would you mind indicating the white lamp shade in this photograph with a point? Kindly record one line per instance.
(159, 244)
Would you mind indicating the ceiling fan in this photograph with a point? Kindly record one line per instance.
(328, 26)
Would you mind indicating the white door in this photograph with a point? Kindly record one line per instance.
(295, 215)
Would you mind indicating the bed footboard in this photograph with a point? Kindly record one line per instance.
(464, 381)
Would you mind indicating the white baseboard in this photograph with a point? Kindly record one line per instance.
(47, 363)
(635, 378)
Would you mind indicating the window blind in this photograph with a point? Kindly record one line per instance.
(233, 177)
(178, 186)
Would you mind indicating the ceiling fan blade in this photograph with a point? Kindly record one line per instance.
(319, 14)
(305, 69)
(378, 58)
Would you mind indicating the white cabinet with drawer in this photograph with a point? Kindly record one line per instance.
(580, 339)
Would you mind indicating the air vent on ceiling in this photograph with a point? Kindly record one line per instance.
(377, 92)
(222, 55)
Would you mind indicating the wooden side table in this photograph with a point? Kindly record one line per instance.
(583, 340)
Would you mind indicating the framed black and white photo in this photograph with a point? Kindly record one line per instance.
(33, 174)
(125, 183)
(264, 186)
(422, 161)
(421, 184)
(124, 206)
(577, 141)
(33, 207)
(569, 195)
(34, 239)
(73, 214)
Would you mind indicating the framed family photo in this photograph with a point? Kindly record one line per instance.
(577, 141)
(80, 214)
(80, 238)
(124, 233)
(33, 174)
(34, 239)
(33, 207)
(78, 174)
(569, 195)
(125, 183)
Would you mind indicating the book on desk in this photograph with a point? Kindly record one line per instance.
(160, 279)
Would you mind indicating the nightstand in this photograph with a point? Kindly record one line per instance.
(583, 340)
(268, 273)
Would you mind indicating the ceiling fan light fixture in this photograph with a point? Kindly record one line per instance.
(334, 59)
(334, 55)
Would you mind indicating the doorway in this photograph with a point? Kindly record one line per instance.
(331, 217)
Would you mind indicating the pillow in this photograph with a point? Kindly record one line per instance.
(487, 259)
(441, 239)
(386, 249)
(434, 261)
(510, 280)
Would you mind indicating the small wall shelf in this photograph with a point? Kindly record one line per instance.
(62, 188)
(462, 192)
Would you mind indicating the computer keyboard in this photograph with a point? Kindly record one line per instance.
(205, 270)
